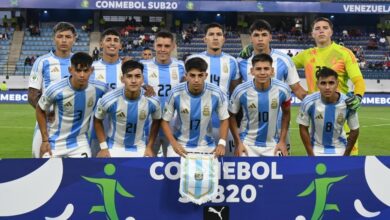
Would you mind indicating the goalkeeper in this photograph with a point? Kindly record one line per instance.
(329, 54)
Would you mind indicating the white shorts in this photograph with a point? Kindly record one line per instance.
(37, 141)
(122, 152)
(77, 152)
(203, 149)
(230, 146)
(319, 151)
(255, 151)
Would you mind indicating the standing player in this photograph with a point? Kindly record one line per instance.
(261, 100)
(146, 54)
(73, 100)
(326, 111)
(194, 101)
(50, 68)
(163, 73)
(340, 59)
(127, 109)
(107, 70)
(222, 69)
(284, 68)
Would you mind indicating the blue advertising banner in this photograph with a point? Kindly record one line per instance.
(147, 188)
(369, 99)
(14, 96)
(183, 5)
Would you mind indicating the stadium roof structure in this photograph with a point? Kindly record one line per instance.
(185, 5)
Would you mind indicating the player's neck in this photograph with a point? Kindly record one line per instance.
(214, 52)
(323, 45)
(62, 53)
(331, 100)
(110, 59)
(132, 95)
(168, 61)
(263, 86)
(266, 51)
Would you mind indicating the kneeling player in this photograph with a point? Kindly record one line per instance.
(194, 101)
(74, 100)
(261, 100)
(327, 112)
(127, 110)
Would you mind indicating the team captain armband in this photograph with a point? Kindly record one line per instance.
(286, 104)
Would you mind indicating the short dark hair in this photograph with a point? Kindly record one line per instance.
(263, 57)
(326, 72)
(260, 25)
(64, 26)
(147, 48)
(165, 34)
(131, 65)
(109, 31)
(322, 19)
(213, 25)
(82, 59)
(196, 63)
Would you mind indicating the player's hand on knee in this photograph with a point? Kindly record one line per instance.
(180, 150)
(282, 148)
(45, 149)
(353, 101)
(103, 153)
(219, 150)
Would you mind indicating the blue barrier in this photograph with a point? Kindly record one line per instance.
(147, 188)
(14, 96)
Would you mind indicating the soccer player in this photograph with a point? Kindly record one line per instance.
(194, 101)
(340, 59)
(146, 54)
(50, 68)
(326, 111)
(127, 109)
(284, 68)
(107, 70)
(163, 73)
(261, 100)
(73, 100)
(222, 69)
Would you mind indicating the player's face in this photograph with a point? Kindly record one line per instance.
(163, 48)
(80, 75)
(111, 44)
(262, 71)
(64, 40)
(322, 33)
(327, 86)
(214, 39)
(260, 40)
(146, 55)
(196, 80)
(133, 80)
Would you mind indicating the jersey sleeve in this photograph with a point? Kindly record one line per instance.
(235, 70)
(234, 104)
(303, 117)
(222, 107)
(36, 76)
(353, 121)
(292, 75)
(299, 60)
(169, 108)
(46, 101)
(354, 73)
(156, 113)
(100, 111)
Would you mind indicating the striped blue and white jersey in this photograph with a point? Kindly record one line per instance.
(194, 113)
(327, 121)
(284, 68)
(260, 111)
(222, 69)
(109, 73)
(48, 69)
(73, 110)
(127, 118)
(163, 77)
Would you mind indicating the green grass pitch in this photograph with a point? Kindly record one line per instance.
(17, 124)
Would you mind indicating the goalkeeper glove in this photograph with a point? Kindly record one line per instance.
(353, 101)
(246, 52)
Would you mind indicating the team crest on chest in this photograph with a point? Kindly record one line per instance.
(90, 102)
(142, 115)
(174, 75)
(206, 110)
(198, 176)
(225, 68)
(340, 118)
(274, 104)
